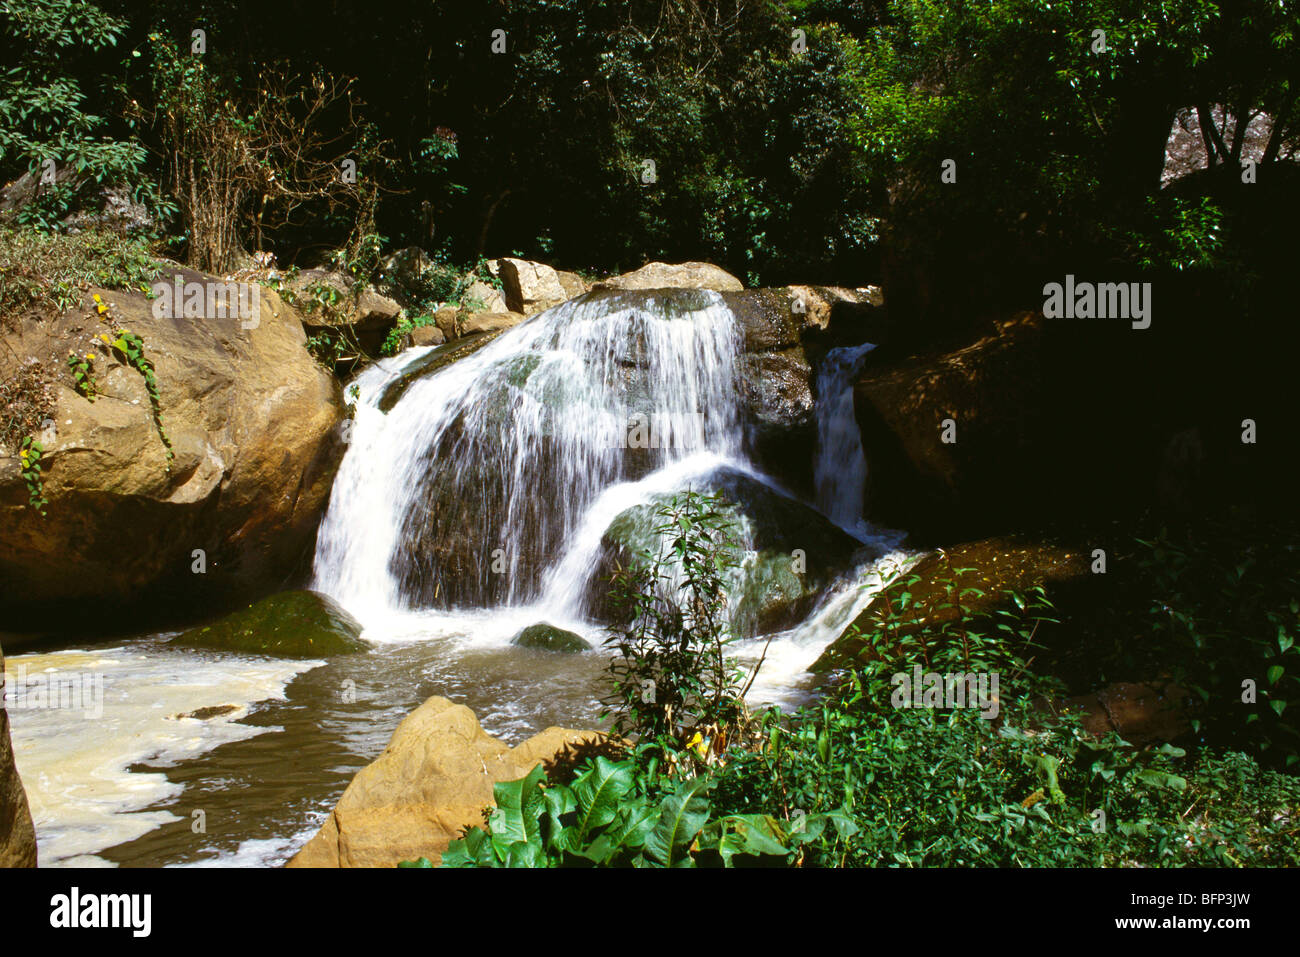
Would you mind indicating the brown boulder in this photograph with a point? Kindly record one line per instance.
(363, 309)
(17, 836)
(252, 420)
(489, 321)
(1141, 713)
(427, 336)
(432, 781)
(981, 573)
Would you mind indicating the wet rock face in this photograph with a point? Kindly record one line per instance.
(17, 836)
(295, 624)
(789, 554)
(253, 422)
(786, 332)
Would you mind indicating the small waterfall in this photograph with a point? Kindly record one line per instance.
(467, 490)
(840, 467)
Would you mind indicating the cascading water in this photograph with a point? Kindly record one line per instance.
(473, 500)
(840, 467)
(472, 485)
(488, 487)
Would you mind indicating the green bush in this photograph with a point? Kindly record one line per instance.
(41, 271)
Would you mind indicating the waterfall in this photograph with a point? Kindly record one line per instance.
(840, 466)
(474, 483)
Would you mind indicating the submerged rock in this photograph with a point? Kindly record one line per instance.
(293, 624)
(547, 637)
(432, 781)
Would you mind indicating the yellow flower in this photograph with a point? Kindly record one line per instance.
(96, 298)
(104, 336)
(90, 357)
(699, 744)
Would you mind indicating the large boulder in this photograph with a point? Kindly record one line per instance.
(17, 835)
(96, 205)
(482, 297)
(293, 624)
(529, 286)
(433, 780)
(790, 553)
(689, 275)
(253, 422)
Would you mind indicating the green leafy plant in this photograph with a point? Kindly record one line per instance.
(673, 684)
(619, 814)
(129, 349)
(29, 458)
(82, 377)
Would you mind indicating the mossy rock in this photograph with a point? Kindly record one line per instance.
(982, 572)
(293, 624)
(793, 553)
(546, 637)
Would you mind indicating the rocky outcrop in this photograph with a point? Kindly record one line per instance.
(432, 781)
(328, 300)
(690, 275)
(17, 836)
(96, 205)
(253, 424)
(787, 330)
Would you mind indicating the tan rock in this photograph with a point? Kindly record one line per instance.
(530, 286)
(365, 310)
(689, 275)
(252, 420)
(572, 284)
(427, 336)
(447, 321)
(17, 836)
(489, 321)
(480, 297)
(433, 780)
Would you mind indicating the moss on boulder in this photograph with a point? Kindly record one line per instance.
(293, 624)
(547, 637)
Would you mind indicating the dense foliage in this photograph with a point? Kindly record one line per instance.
(784, 140)
(859, 780)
